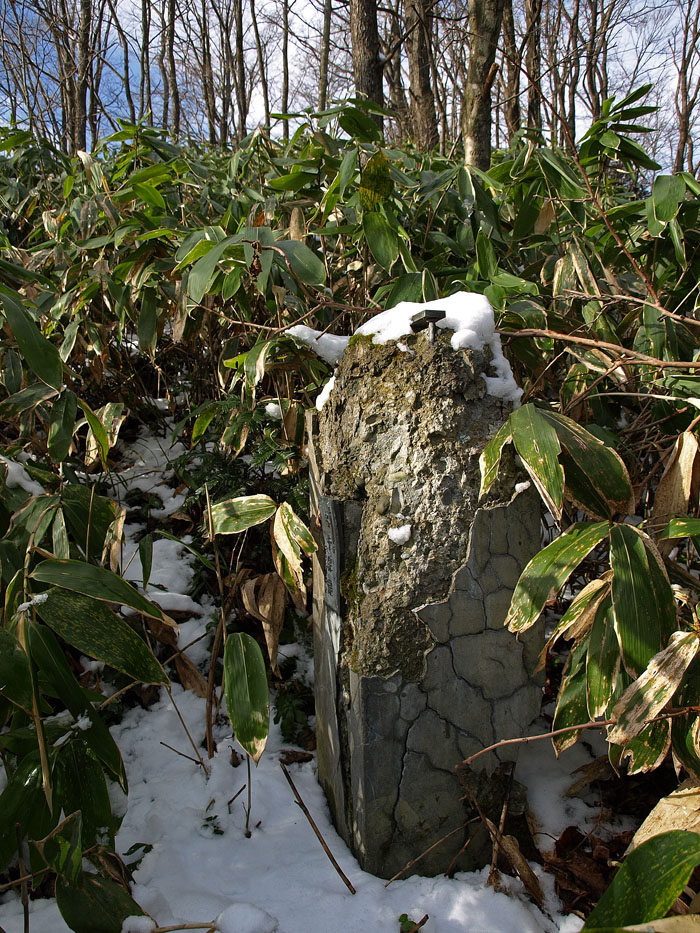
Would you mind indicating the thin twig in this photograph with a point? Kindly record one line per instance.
(421, 923)
(501, 829)
(186, 926)
(429, 849)
(187, 731)
(524, 739)
(627, 357)
(21, 879)
(181, 754)
(305, 810)
(453, 864)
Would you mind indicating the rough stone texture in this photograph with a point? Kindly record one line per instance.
(414, 669)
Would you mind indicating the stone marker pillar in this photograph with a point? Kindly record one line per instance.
(412, 581)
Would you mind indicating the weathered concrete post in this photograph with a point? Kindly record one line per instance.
(414, 669)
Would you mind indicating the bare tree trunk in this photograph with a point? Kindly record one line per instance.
(418, 30)
(325, 49)
(484, 24)
(686, 57)
(207, 72)
(145, 95)
(366, 61)
(240, 70)
(533, 52)
(397, 94)
(285, 66)
(172, 72)
(511, 83)
(261, 65)
(80, 114)
(123, 41)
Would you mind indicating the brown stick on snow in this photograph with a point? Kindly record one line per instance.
(421, 923)
(315, 828)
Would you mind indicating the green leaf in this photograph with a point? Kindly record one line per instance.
(12, 371)
(602, 660)
(62, 849)
(348, 167)
(15, 679)
(79, 577)
(149, 194)
(548, 571)
(88, 517)
(148, 321)
(41, 356)
(682, 528)
(291, 182)
(95, 904)
(304, 263)
(643, 605)
(79, 784)
(92, 628)
(667, 193)
(234, 515)
(51, 661)
(247, 693)
(146, 558)
(382, 240)
(359, 125)
(538, 445)
(649, 881)
(62, 425)
(203, 271)
(486, 261)
(23, 801)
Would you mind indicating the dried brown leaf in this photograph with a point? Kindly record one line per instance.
(511, 850)
(675, 490)
(680, 810)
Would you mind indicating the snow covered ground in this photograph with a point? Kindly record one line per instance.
(198, 866)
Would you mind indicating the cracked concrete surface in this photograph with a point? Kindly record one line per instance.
(414, 669)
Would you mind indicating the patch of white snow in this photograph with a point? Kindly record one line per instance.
(325, 393)
(18, 476)
(400, 535)
(330, 347)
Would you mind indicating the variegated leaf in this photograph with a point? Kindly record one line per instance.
(650, 693)
(578, 618)
(548, 571)
(600, 482)
(234, 515)
(538, 445)
(648, 748)
(490, 458)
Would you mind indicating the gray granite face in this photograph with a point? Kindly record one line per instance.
(414, 668)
